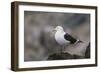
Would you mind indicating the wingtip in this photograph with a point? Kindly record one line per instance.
(79, 41)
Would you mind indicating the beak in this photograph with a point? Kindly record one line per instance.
(54, 30)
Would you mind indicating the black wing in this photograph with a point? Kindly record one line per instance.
(70, 38)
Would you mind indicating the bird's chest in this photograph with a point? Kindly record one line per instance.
(59, 37)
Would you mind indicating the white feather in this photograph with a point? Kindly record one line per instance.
(59, 36)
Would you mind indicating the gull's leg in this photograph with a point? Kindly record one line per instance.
(62, 49)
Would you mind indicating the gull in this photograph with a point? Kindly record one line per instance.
(63, 38)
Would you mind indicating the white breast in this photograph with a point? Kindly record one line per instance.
(59, 37)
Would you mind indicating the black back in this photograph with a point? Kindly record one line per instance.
(70, 38)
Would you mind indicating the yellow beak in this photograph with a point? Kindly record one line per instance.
(54, 30)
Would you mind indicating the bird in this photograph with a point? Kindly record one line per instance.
(63, 38)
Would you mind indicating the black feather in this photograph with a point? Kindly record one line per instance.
(70, 38)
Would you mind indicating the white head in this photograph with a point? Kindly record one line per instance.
(59, 28)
